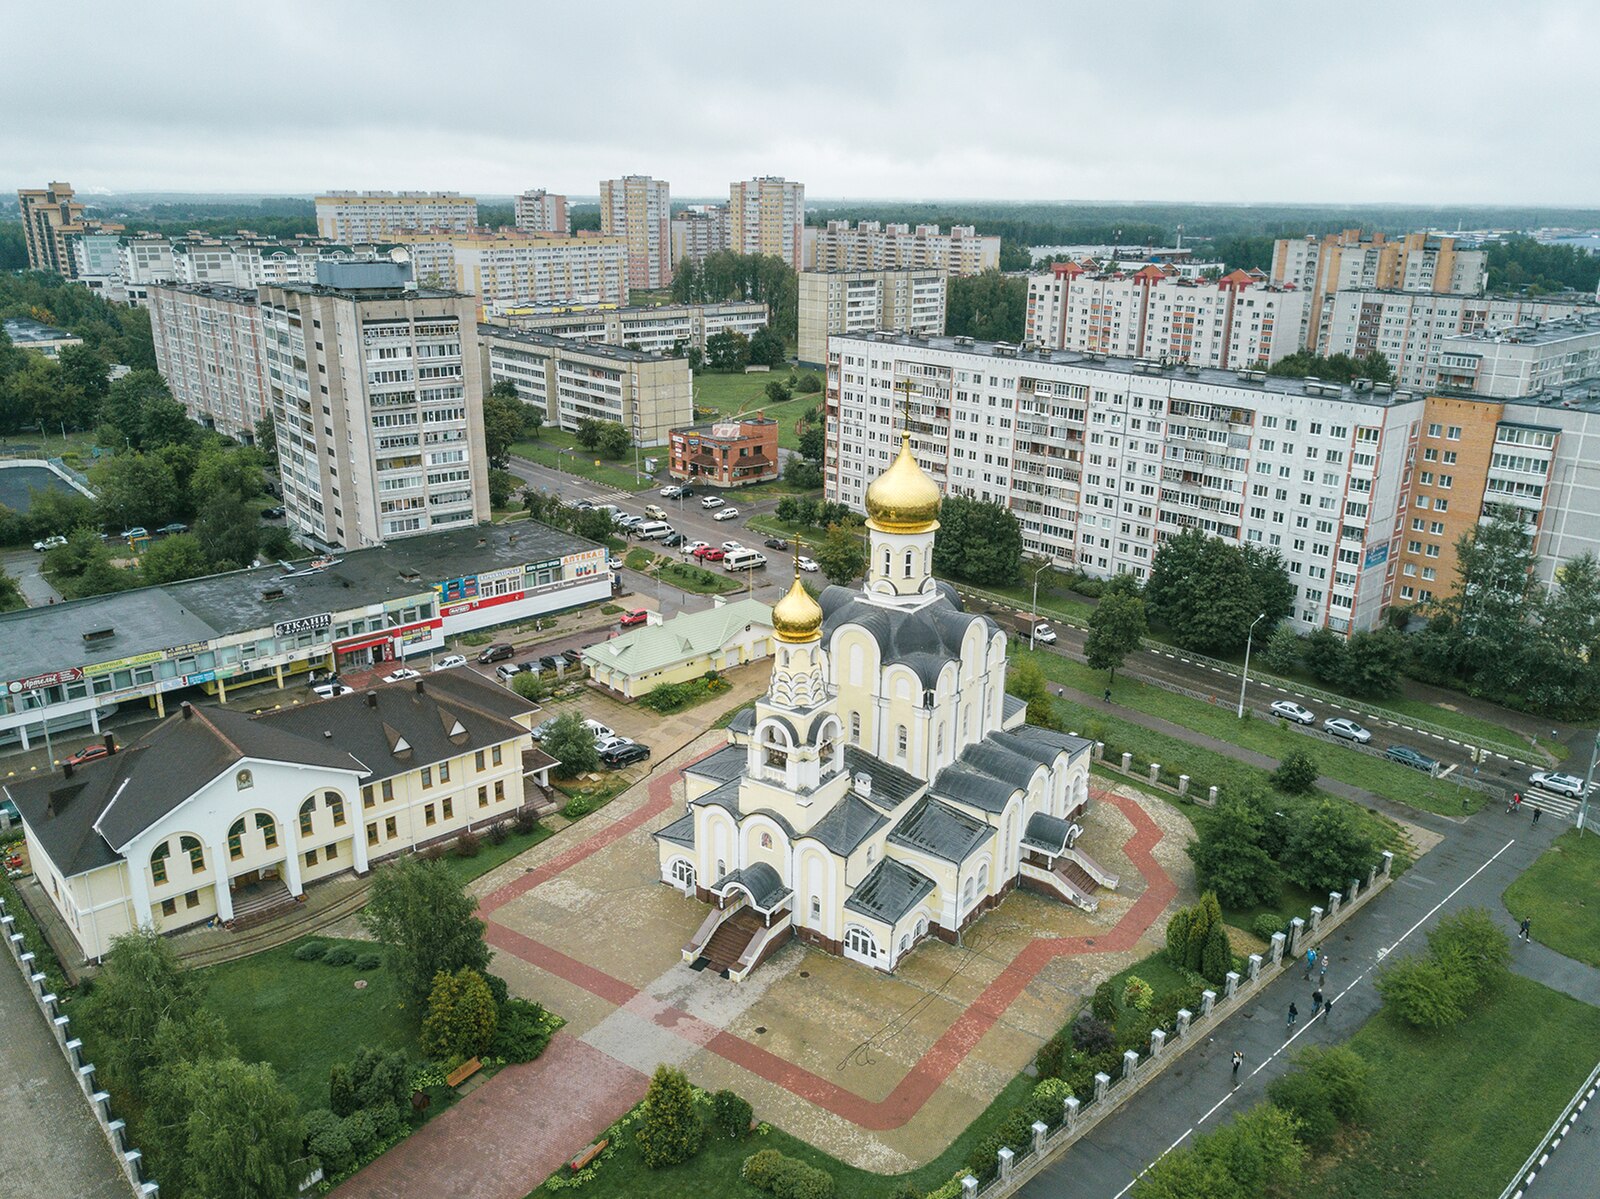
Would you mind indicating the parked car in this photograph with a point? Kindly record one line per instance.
(729, 547)
(551, 662)
(1569, 785)
(88, 754)
(727, 514)
(1339, 726)
(638, 616)
(656, 511)
(331, 690)
(509, 670)
(689, 547)
(450, 662)
(573, 656)
(1043, 633)
(619, 756)
(173, 529)
(670, 492)
(401, 675)
(273, 513)
(599, 730)
(497, 652)
(583, 505)
(1290, 710)
(606, 744)
(672, 540)
(709, 553)
(1413, 758)
(54, 542)
(775, 543)
(686, 492)
(713, 501)
(539, 730)
(809, 565)
(615, 563)
(136, 531)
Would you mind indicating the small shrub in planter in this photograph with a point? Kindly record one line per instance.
(525, 821)
(369, 961)
(468, 844)
(498, 832)
(732, 1113)
(339, 955)
(1092, 1035)
(311, 951)
(578, 805)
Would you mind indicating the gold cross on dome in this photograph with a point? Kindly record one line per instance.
(905, 411)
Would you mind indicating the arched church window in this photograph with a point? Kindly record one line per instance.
(855, 728)
(888, 558)
(902, 742)
(158, 862)
(908, 564)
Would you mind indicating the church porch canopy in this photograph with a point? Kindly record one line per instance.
(760, 884)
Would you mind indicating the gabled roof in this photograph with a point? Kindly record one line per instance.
(938, 829)
(653, 647)
(890, 890)
(891, 786)
(679, 832)
(727, 763)
(1044, 739)
(724, 796)
(961, 783)
(847, 824)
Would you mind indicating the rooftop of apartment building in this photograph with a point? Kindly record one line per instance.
(211, 291)
(35, 640)
(1559, 297)
(1535, 333)
(1581, 396)
(24, 330)
(569, 345)
(627, 310)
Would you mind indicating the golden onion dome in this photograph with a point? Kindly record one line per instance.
(903, 499)
(797, 617)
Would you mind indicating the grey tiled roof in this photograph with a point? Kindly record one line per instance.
(890, 890)
(724, 796)
(1049, 738)
(727, 763)
(938, 829)
(993, 757)
(1047, 833)
(924, 639)
(760, 882)
(963, 784)
(1011, 705)
(679, 832)
(847, 824)
(891, 786)
(743, 720)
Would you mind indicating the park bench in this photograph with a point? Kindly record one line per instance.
(463, 1072)
(588, 1155)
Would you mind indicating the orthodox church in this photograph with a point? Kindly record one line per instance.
(886, 788)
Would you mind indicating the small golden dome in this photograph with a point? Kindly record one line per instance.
(797, 617)
(903, 499)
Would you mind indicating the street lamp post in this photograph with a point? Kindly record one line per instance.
(1033, 626)
(1244, 679)
(44, 723)
(1588, 781)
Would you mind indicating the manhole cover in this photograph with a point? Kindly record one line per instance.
(761, 1029)
(805, 974)
(361, 984)
(1088, 940)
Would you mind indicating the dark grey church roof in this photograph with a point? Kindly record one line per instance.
(1011, 705)
(891, 786)
(992, 757)
(727, 763)
(847, 824)
(1046, 833)
(938, 829)
(679, 832)
(890, 890)
(724, 796)
(1049, 739)
(924, 639)
(760, 882)
(964, 784)
(743, 720)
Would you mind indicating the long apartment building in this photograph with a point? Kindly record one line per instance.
(359, 216)
(638, 209)
(1237, 321)
(861, 301)
(699, 232)
(871, 245)
(768, 216)
(211, 349)
(510, 269)
(1175, 260)
(540, 211)
(377, 400)
(570, 381)
(1101, 458)
(659, 330)
(51, 217)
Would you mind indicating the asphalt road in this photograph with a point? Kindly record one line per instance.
(23, 566)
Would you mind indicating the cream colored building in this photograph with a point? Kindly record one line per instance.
(50, 218)
(767, 216)
(353, 216)
(211, 349)
(683, 647)
(217, 815)
(871, 245)
(638, 209)
(886, 788)
(699, 232)
(862, 301)
(655, 329)
(542, 212)
(511, 269)
(376, 397)
(570, 380)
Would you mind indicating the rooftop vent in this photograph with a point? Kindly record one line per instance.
(272, 593)
(862, 784)
(372, 699)
(410, 576)
(97, 636)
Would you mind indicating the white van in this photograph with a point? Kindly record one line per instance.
(744, 560)
(651, 530)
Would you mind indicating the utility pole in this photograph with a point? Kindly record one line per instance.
(1588, 781)
(1244, 678)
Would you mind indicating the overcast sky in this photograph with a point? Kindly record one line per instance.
(1208, 100)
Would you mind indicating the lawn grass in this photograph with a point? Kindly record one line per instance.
(547, 450)
(698, 579)
(1054, 598)
(683, 695)
(1266, 736)
(489, 856)
(1560, 895)
(302, 1017)
(639, 559)
(714, 1171)
(731, 394)
(1459, 1111)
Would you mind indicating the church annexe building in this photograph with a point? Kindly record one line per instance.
(886, 788)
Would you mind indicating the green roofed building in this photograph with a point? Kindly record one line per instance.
(682, 648)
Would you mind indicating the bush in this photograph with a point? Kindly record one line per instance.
(669, 1130)
(326, 1141)
(1330, 1088)
(1266, 924)
(525, 821)
(578, 806)
(1137, 994)
(461, 1020)
(341, 1090)
(498, 990)
(360, 1131)
(983, 1162)
(369, 961)
(786, 1177)
(1296, 773)
(1178, 937)
(498, 832)
(311, 951)
(522, 1032)
(1423, 993)
(339, 955)
(1105, 1003)
(1134, 1032)
(386, 1123)
(381, 1079)
(468, 844)
(1091, 1035)
(760, 1168)
(1217, 958)
(732, 1113)
(1168, 1006)
(1056, 1057)
(1302, 1096)
(1471, 945)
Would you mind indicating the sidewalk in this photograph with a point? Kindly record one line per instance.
(1471, 866)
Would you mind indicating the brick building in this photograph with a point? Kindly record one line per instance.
(728, 453)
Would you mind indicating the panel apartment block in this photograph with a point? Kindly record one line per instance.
(211, 349)
(379, 216)
(506, 269)
(657, 330)
(871, 245)
(699, 232)
(542, 212)
(638, 209)
(833, 302)
(767, 216)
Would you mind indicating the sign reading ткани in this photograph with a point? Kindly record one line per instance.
(304, 624)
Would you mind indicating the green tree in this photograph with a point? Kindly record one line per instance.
(615, 440)
(1372, 664)
(1282, 651)
(425, 916)
(809, 383)
(1324, 654)
(228, 531)
(989, 307)
(140, 984)
(1471, 944)
(777, 392)
(461, 1017)
(571, 743)
(136, 489)
(173, 559)
(1208, 592)
(767, 348)
(503, 420)
(1327, 848)
(1217, 955)
(1014, 256)
(220, 467)
(1423, 993)
(267, 441)
(802, 474)
(126, 400)
(1493, 595)
(83, 373)
(979, 541)
(1116, 627)
(1257, 1154)
(727, 350)
(841, 554)
(10, 594)
(1229, 857)
(669, 1131)
(1296, 773)
(813, 443)
(588, 433)
(502, 485)
(165, 423)
(1027, 682)
(244, 1136)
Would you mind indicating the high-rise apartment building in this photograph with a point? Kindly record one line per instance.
(542, 212)
(833, 302)
(375, 390)
(509, 269)
(870, 245)
(699, 232)
(1236, 321)
(570, 381)
(50, 217)
(351, 216)
(768, 216)
(211, 349)
(638, 209)
(655, 330)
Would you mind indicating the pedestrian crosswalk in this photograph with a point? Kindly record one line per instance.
(1548, 801)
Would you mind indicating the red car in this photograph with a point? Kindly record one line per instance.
(87, 754)
(710, 553)
(631, 619)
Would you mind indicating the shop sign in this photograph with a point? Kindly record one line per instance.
(303, 624)
(453, 590)
(54, 678)
(124, 663)
(184, 651)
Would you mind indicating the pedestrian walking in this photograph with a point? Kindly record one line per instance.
(1311, 961)
(1536, 812)
(1108, 695)
(1238, 1060)
(1294, 1014)
(1316, 1002)
(1327, 1009)
(1522, 930)
(1322, 969)
(1516, 801)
